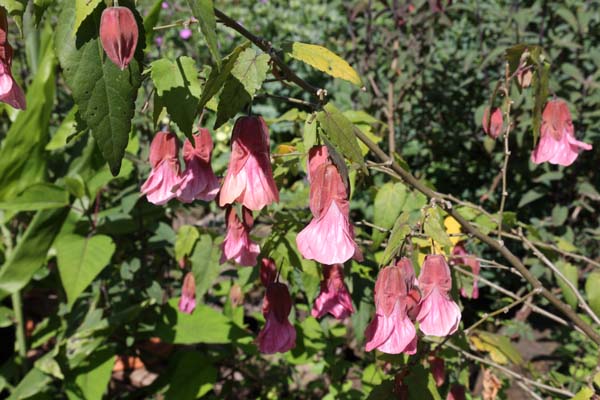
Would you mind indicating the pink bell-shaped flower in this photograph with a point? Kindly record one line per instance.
(278, 335)
(457, 392)
(462, 257)
(198, 181)
(557, 144)
(237, 245)
(329, 237)
(159, 188)
(10, 92)
(334, 297)
(119, 35)
(391, 330)
(249, 179)
(495, 125)
(436, 365)
(439, 314)
(187, 301)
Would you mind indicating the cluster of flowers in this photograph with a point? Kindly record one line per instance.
(10, 92)
(557, 144)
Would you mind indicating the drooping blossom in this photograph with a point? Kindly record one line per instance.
(557, 144)
(249, 179)
(439, 314)
(436, 365)
(10, 92)
(495, 124)
(462, 257)
(329, 237)
(237, 245)
(187, 301)
(198, 181)
(159, 188)
(334, 297)
(119, 35)
(278, 335)
(457, 392)
(391, 330)
(268, 271)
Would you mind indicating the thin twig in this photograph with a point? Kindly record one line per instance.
(506, 153)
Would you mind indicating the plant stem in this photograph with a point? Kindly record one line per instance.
(20, 328)
(506, 154)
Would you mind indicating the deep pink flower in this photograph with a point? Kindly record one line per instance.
(557, 143)
(436, 365)
(249, 178)
(496, 123)
(118, 35)
(268, 271)
(439, 314)
(237, 245)
(159, 188)
(462, 257)
(187, 301)
(198, 181)
(456, 393)
(278, 335)
(391, 330)
(329, 237)
(334, 297)
(10, 92)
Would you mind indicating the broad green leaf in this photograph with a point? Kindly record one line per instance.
(386, 209)
(204, 325)
(83, 8)
(592, 291)
(92, 378)
(193, 376)
(324, 60)
(340, 132)
(80, 260)
(40, 196)
(434, 229)
(185, 241)
(204, 12)
(33, 383)
(104, 94)
(399, 231)
(48, 364)
(570, 272)
(205, 264)
(31, 250)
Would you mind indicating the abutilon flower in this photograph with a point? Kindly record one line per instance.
(187, 301)
(198, 181)
(249, 179)
(159, 188)
(496, 123)
(462, 257)
(557, 143)
(391, 330)
(334, 297)
(457, 392)
(436, 365)
(237, 245)
(268, 271)
(329, 237)
(10, 92)
(119, 35)
(439, 314)
(278, 335)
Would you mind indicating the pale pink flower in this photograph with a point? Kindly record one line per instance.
(391, 330)
(198, 181)
(159, 188)
(249, 179)
(462, 257)
(278, 335)
(439, 314)
(10, 92)
(495, 125)
(329, 237)
(237, 245)
(187, 301)
(334, 297)
(557, 144)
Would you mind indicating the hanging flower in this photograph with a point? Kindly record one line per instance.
(187, 301)
(495, 125)
(268, 271)
(334, 297)
(462, 257)
(237, 245)
(278, 335)
(439, 314)
(436, 365)
(159, 188)
(119, 35)
(10, 92)
(391, 330)
(557, 144)
(198, 181)
(249, 178)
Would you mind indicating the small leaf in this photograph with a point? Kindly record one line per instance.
(529, 197)
(433, 228)
(399, 231)
(204, 12)
(592, 291)
(185, 241)
(500, 347)
(205, 264)
(40, 196)
(92, 378)
(340, 132)
(386, 208)
(570, 272)
(324, 60)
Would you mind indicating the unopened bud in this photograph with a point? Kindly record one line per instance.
(119, 35)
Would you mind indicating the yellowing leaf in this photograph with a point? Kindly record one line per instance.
(284, 149)
(499, 347)
(83, 8)
(452, 229)
(324, 60)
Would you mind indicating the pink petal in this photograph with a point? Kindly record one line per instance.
(159, 186)
(439, 315)
(276, 337)
(392, 335)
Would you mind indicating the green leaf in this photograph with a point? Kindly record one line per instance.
(150, 21)
(92, 377)
(7, 317)
(40, 196)
(587, 393)
(592, 291)
(65, 133)
(386, 209)
(33, 383)
(205, 264)
(340, 132)
(324, 60)
(204, 12)
(83, 9)
(204, 325)
(80, 260)
(399, 231)
(500, 347)
(434, 228)
(185, 241)
(193, 377)
(570, 272)
(529, 197)
(104, 94)
(15, 8)
(31, 250)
